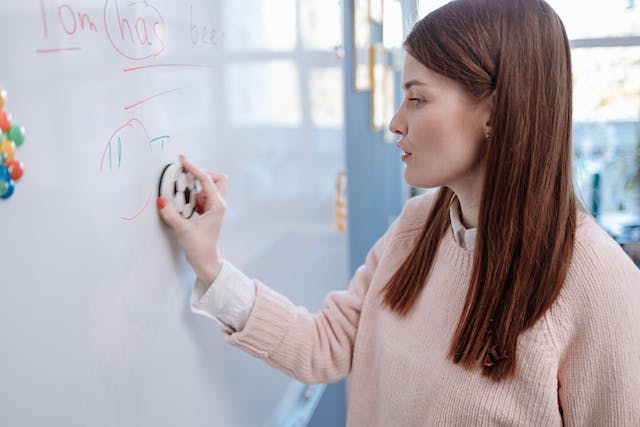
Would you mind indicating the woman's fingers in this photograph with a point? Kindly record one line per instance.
(210, 196)
(220, 180)
(170, 215)
(205, 180)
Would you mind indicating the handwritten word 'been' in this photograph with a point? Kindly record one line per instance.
(201, 34)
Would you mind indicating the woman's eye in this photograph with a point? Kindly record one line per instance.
(417, 101)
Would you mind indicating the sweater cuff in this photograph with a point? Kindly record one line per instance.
(228, 299)
(271, 318)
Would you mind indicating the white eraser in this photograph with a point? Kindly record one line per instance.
(179, 187)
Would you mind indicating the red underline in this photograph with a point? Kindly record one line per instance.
(59, 49)
(142, 67)
(135, 104)
(137, 214)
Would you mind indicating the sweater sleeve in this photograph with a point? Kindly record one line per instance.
(228, 300)
(314, 348)
(599, 370)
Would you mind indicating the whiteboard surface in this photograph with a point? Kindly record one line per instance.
(95, 325)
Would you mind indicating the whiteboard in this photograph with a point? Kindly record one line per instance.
(95, 325)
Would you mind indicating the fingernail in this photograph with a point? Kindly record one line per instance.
(161, 202)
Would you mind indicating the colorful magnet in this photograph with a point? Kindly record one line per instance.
(16, 134)
(11, 137)
(16, 169)
(4, 173)
(9, 149)
(5, 121)
(6, 184)
(6, 188)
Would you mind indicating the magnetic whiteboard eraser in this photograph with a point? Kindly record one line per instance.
(179, 187)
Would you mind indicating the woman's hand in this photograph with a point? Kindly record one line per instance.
(199, 236)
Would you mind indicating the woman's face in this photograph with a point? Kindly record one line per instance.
(442, 129)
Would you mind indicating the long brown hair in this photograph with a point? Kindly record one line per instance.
(518, 51)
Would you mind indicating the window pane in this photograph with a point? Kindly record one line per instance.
(606, 133)
(321, 24)
(583, 19)
(426, 6)
(326, 96)
(598, 18)
(265, 92)
(262, 25)
(606, 83)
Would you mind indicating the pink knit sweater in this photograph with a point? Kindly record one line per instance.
(579, 365)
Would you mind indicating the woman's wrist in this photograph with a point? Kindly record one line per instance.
(210, 274)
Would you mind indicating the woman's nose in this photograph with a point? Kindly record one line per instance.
(396, 124)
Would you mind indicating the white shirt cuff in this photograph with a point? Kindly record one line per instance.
(229, 299)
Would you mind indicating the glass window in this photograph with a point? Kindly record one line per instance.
(266, 26)
(597, 18)
(325, 86)
(288, 98)
(606, 128)
(266, 93)
(315, 15)
(605, 132)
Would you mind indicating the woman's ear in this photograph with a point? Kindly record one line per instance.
(487, 110)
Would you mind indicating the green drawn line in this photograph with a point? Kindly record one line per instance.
(119, 152)
(162, 138)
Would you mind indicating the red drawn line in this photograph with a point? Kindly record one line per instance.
(60, 49)
(142, 67)
(135, 104)
(137, 214)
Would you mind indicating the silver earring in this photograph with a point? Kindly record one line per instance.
(487, 136)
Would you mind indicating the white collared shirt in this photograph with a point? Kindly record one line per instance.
(465, 237)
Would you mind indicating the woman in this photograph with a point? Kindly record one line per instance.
(497, 302)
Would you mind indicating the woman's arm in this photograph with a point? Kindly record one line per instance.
(312, 348)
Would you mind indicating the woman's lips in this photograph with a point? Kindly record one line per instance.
(405, 156)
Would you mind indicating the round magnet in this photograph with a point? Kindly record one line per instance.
(16, 134)
(16, 169)
(5, 121)
(178, 186)
(6, 188)
(9, 149)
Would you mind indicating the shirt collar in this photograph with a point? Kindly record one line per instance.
(465, 237)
